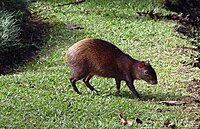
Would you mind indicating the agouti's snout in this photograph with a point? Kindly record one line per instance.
(91, 56)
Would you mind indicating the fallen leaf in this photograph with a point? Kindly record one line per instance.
(173, 103)
(73, 26)
(124, 120)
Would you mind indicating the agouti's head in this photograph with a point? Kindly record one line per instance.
(146, 72)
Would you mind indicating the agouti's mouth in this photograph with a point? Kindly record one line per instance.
(153, 82)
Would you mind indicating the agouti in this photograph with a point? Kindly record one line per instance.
(93, 56)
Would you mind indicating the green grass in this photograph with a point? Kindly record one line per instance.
(40, 95)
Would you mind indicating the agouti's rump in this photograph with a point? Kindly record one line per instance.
(92, 56)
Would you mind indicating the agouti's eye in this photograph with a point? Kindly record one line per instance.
(146, 72)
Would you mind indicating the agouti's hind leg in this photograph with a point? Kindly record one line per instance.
(73, 82)
(86, 81)
(76, 76)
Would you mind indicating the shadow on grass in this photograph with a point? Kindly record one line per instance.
(146, 97)
(32, 34)
(36, 36)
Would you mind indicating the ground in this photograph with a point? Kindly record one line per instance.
(39, 94)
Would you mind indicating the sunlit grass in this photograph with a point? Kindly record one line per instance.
(40, 95)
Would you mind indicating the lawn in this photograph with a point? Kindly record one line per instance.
(40, 95)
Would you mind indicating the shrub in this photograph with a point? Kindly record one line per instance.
(14, 15)
(15, 5)
(9, 31)
(20, 34)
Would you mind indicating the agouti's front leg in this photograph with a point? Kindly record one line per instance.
(129, 82)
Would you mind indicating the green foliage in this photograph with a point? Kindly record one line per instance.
(15, 5)
(13, 16)
(19, 8)
(9, 30)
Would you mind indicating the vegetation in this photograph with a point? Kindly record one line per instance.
(39, 94)
(9, 30)
(20, 36)
(13, 15)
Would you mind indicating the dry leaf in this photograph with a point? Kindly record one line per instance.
(73, 26)
(124, 120)
(173, 103)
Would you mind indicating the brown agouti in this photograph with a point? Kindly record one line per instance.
(92, 56)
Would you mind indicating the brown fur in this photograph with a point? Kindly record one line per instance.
(92, 56)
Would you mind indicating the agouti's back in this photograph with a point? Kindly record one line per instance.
(96, 56)
(92, 56)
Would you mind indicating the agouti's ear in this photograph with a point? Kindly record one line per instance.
(147, 63)
(141, 64)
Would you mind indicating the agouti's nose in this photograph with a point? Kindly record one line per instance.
(153, 82)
